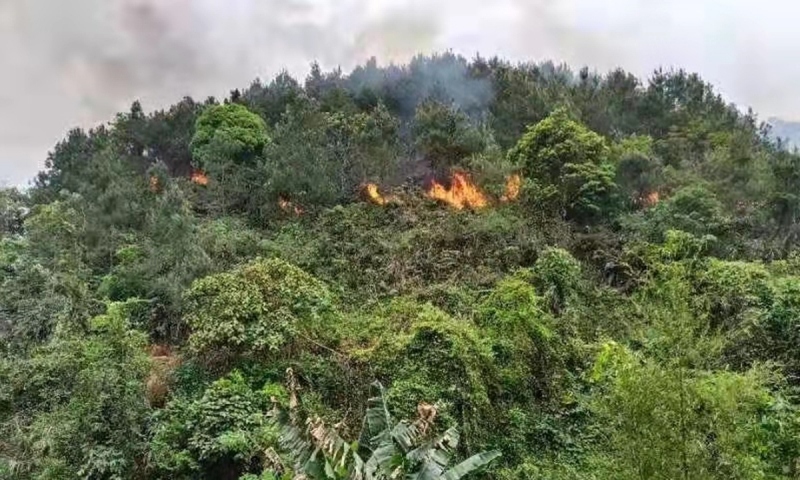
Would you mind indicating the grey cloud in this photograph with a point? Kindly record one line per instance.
(77, 62)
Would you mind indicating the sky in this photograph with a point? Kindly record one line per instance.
(69, 63)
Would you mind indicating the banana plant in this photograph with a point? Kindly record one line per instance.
(386, 450)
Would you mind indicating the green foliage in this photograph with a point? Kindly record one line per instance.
(733, 290)
(445, 137)
(373, 252)
(258, 308)
(691, 209)
(226, 429)
(75, 408)
(569, 165)
(159, 263)
(632, 314)
(322, 158)
(519, 329)
(44, 279)
(228, 241)
(428, 354)
(227, 133)
(670, 422)
(639, 173)
(779, 324)
(386, 448)
(12, 212)
(558, 275)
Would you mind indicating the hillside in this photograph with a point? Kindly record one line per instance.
(452, 268)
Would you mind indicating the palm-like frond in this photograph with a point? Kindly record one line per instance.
(377, 421)
(293, 441)
(470, 465)
(431, 459)
(406, 435)
(394, 450)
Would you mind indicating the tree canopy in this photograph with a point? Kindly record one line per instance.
(448, 269)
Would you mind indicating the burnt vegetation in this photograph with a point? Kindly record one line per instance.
(549, 274)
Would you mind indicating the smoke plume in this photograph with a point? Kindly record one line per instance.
(77, 62)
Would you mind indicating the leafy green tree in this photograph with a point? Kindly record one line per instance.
(170, 134)
(427, 353)
(298, 165)
(692, 209)
(322, 158)
(159, 262)
(258, 308)
(783, 202)
(732, 292)
(639, 172)
(67, 165)
(12, 212)
(75, 408)
(270, 101)
(44, 279)
(225, 430)
(445, 137)
(569, 166)
(227, 146)
(670, 422)
(228, 133)
(533, 357)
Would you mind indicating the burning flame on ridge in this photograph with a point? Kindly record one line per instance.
(649, 200)
(513, 185)
(373, 195)
(461, 194)
(199, 177)
(288, 207)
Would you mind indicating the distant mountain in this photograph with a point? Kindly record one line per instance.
(788, 131)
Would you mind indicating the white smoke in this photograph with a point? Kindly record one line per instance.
(76, 62)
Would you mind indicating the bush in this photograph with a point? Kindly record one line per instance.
(256, 309)
(226, 429)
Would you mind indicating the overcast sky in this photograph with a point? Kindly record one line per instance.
(66, 63)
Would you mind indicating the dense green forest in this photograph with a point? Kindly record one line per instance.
(443, 269)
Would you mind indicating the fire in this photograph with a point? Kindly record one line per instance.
(513, 185)
(649, 200)
(199, 177)
(373, 194)
(461, 194)
(154, 184)
(289, 207)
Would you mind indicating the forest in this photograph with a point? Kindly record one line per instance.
(452, 268)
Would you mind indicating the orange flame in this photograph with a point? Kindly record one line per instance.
(154, 184)
(649, 200)
(373, 195)
(513, 185)
(288, 207)
(461, 194)
(199, 177)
